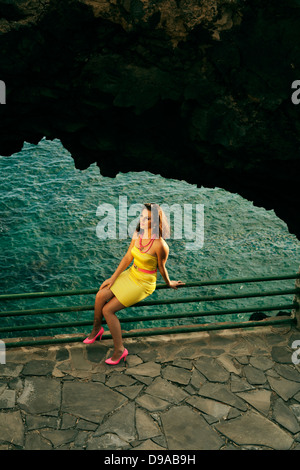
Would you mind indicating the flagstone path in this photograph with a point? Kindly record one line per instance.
(230, 389)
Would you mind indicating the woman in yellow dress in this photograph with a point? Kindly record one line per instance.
(126, 287)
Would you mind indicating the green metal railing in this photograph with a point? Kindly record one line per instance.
(152, 316)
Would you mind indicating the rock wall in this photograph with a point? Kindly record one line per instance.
(194, 90)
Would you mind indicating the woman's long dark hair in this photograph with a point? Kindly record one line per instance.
(159, 223)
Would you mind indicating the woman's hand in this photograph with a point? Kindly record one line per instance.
(174, 284)
(108, 283)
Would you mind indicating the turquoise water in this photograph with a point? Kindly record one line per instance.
(48, 238)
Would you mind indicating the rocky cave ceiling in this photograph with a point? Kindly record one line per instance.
(192, 90)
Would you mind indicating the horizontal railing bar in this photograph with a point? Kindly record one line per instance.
(30, 295)
(237, 281)
(209, 313)
(46, 326)
(215, 326)
(207, 298)
(212, 326)
(174, 315)
(153, 302)
(152, 332)
(46, 311)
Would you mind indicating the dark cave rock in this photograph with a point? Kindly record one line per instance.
(257, 316)
(283, 313)
(200, 92)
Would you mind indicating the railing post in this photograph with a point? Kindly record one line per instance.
(296, 311)
(2, 352)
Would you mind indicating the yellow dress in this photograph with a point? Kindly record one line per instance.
(133, 285)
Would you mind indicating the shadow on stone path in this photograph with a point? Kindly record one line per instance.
(230, 389)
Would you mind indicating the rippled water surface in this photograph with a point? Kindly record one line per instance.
(49, 242)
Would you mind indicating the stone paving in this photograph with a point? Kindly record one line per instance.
(218, 390)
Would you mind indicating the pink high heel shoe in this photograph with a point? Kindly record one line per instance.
(90, 341)
(113, 363)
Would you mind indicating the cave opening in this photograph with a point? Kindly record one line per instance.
(49, 228)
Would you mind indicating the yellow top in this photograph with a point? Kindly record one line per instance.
(144, 260)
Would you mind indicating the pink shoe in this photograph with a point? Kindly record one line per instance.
(90, 341)
(113, 363)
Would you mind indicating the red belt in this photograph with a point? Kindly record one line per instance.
(145, 270)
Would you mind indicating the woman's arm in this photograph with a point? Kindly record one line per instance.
(162, 256)
(125, 262)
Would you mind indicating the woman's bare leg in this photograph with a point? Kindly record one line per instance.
(102, 297)
(114, 325)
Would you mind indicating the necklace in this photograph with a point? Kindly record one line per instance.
(144, 246)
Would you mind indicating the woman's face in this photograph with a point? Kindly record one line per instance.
(145, 220)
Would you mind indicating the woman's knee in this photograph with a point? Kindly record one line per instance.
(104, 294)
(106, 311)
